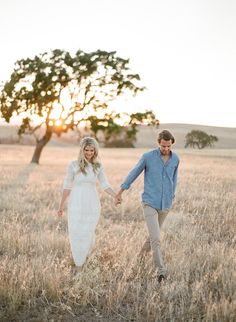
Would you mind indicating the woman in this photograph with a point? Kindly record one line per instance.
(84, 203)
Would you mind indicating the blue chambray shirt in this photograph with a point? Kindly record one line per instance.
(160, 178)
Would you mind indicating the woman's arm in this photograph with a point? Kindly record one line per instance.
(64, 196)
(111, 192)
(67, 186)
(105, 184)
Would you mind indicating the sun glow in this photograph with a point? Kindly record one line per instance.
(61, 109)
(58, 122)
(56, 111)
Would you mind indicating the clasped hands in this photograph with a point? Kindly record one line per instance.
(118, 199)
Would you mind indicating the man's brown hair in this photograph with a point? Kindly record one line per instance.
(165, 135)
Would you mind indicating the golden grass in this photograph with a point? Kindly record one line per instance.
(198, 242)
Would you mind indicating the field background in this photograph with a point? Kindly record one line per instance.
(198, 243)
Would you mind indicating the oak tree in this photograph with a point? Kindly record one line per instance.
(55, 91)
(199, 139)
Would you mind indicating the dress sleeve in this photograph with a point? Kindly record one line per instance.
(103, 179)
(69, 178)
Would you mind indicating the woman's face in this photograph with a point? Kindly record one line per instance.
(89, 152)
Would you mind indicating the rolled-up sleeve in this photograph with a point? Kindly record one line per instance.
(103, 179)
(134, 173)
(69, 178)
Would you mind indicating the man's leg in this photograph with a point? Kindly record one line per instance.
(152, 221)
(161, 217)
(146, 247)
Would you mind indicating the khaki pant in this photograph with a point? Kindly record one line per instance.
(154, 219)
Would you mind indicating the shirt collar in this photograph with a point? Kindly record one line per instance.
(159, 153)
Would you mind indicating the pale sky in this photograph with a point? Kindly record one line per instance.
(184, 50)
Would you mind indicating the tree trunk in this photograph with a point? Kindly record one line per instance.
(40, 145)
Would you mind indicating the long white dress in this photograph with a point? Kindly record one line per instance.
(83, 208)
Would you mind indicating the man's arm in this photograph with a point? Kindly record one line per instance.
(175, 180)
(132, 176)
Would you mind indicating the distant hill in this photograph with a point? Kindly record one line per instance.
(146, 137)
(226, 135)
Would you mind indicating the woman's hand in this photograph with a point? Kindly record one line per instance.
(60, 213)
(64, 196)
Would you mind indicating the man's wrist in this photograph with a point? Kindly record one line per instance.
(120, 192)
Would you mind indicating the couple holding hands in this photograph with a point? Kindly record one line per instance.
(160, 168)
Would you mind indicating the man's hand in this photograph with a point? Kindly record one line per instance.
(118, 198)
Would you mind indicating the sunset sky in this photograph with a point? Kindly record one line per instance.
(184, 51)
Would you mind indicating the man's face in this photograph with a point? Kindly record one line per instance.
(165, 147)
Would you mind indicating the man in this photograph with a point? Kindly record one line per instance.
(160, 168)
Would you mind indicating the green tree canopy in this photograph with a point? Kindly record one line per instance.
(56, 91)
(199, 139)
(121, 135)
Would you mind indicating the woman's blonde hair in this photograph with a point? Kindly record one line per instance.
(88, 141)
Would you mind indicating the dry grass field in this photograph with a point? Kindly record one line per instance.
(117, 284)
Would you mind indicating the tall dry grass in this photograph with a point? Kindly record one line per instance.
(117, 284)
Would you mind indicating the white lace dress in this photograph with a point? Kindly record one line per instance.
(83, 208)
